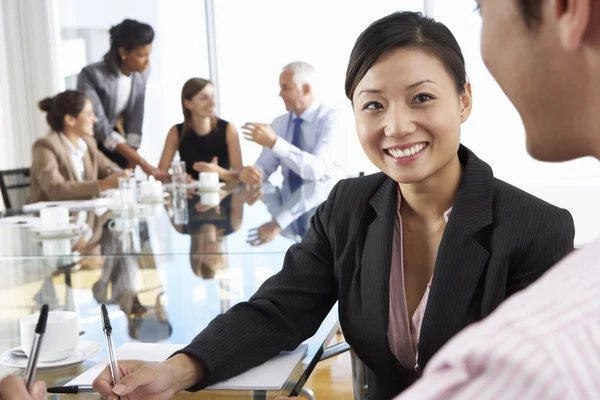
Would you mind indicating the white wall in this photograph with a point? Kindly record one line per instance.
(255, 39)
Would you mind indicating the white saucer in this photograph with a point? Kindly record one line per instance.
(69, 232)
(119, 211)
(211, 188)
(154, 199)
(85, 350)
(54, 231)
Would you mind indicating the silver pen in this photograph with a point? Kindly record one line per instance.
(114, 368)
(40, 329)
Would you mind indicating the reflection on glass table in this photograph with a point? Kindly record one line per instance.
(232, 220)
(161, 303)
(290, 207)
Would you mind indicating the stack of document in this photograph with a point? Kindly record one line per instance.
(272, 375)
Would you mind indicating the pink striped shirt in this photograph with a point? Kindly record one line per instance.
(542, 343)
(403, 335)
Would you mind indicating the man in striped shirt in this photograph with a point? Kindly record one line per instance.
(544, 342)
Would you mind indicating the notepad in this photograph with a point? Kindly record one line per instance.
(272, 375)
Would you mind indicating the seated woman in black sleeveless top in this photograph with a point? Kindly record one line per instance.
(205, 142)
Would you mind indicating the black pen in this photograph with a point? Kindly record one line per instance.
(114, 369)
(40, 329)
(71, 389)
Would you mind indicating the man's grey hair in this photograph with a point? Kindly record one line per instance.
(304, 73)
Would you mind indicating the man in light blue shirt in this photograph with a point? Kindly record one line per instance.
(303, 140)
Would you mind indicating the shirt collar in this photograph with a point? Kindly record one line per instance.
(446, 213)
(122, 75)
(78, 151)
(309, 114)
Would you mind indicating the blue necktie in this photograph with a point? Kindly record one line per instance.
(295, 179)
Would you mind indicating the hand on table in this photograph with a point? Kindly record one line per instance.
(259, 133)
(264, 234)
(251, 175)
(202, 166)
(158, 174)
(13, 387)
(112, 180)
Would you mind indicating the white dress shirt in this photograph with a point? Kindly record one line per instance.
(542, 343)
(123, 92)
(123, 95)
(77, 153)
(316, 159)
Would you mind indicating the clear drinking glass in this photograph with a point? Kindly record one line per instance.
(180, 207)
(128, 195)
(178, 172)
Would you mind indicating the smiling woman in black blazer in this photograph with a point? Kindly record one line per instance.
(413, 254)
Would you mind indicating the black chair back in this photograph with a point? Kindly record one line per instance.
(14, 187)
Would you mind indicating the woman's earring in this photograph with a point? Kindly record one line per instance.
(123, 57)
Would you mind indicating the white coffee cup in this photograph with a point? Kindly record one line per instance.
(60, 340)
(209, 179)
(54, 217)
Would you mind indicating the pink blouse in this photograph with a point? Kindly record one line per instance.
(402, 334)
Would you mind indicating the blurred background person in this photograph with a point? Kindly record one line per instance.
(301, 141)
(116, 87)
(66, 164)
(205, 142)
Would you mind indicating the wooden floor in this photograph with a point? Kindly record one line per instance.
(332, 379)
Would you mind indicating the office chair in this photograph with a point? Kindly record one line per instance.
(13, 179)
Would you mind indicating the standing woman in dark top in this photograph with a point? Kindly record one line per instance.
(116, 86)
(205, 142)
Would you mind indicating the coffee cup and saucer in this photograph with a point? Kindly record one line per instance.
(209, 182)
(61, 346)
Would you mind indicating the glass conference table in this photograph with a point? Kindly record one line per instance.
(158, 285)
(184, 225)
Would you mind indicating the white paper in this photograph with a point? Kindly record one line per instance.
(72, 205)
(272, 375)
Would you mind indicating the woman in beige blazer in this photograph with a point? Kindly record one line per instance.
(66, 164)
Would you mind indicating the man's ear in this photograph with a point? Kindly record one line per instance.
(572, 19)
(306, 89)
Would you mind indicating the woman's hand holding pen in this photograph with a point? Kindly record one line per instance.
(150, 380)
(13, 388)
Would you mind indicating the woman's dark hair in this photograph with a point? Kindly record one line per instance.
(69, 102)
(405, 30)
(129, 34)
(192, 87)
